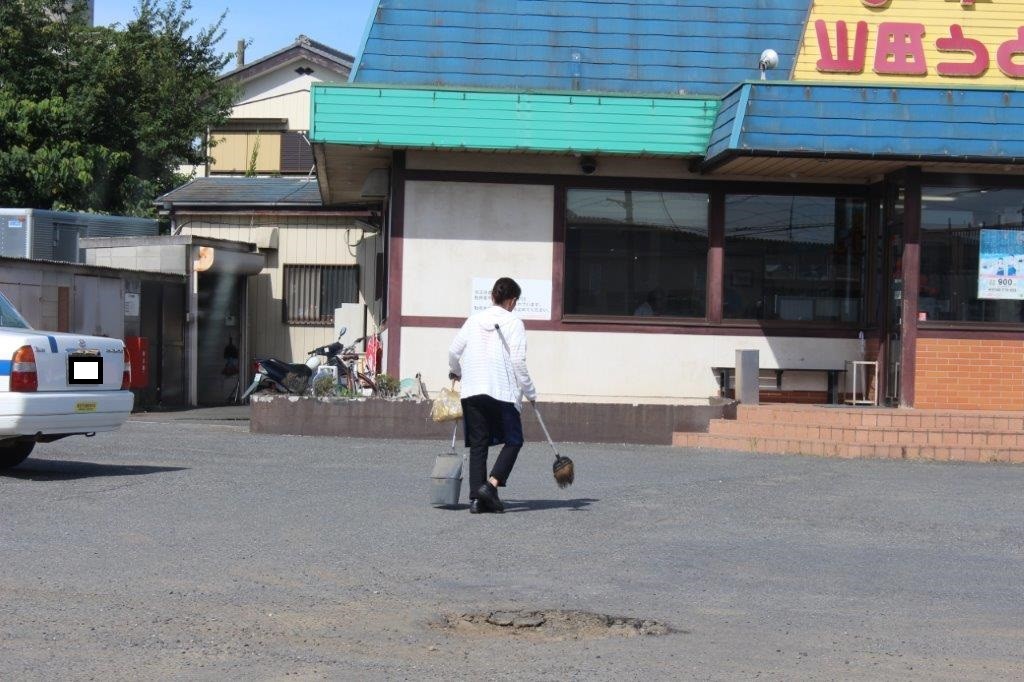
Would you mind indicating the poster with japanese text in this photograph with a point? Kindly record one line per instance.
(1001, 264)
(534, 303)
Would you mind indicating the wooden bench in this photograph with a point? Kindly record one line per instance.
(725, 373)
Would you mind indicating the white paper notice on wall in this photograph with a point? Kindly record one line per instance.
(132, 304)
(534, 304)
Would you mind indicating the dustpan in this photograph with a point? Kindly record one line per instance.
(446, 478)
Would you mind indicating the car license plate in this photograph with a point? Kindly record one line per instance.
(85, 407)
(85, 369)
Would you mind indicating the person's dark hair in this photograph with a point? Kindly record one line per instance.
(505, 289)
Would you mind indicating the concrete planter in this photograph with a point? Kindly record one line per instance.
(568, 422)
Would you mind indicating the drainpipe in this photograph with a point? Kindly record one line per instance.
(192, 319)
(243, 333)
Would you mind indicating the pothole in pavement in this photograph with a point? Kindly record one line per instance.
(554, 624)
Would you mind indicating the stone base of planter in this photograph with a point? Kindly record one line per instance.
(567, 422)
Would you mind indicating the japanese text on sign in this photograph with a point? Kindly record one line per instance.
(534, 303)
(1001, 264)
(903, 48)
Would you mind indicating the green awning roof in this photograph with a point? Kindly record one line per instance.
(481, 120)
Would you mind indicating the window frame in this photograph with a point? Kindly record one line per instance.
(629, 319)
(288, 268)
(864, 317)
(933, 327)
(717, 192)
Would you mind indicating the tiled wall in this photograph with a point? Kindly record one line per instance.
(970, 374)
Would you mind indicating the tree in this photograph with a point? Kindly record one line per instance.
(100, 118)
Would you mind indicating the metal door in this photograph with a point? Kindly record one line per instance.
(65, 243)
(892, 234)
(173, 368)
(99, 306)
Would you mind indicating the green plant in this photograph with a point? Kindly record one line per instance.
(325, 386)
(100, 118)
(387, 386)
(346, 392)
(250, 172)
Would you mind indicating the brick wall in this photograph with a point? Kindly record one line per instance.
(970, 374)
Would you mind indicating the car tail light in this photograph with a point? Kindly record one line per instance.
(23, 371)
(126, 376)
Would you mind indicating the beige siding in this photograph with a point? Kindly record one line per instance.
(233, 152)
(301, 240)
(293, 106)
(229, 151)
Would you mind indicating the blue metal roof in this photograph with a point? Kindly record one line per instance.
(764, 118)
(701, 47)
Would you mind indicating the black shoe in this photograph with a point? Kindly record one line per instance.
(487, 495)
(474, 507)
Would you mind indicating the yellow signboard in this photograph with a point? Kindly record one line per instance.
(933, 42)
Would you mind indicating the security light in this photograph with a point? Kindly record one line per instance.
(769, 60)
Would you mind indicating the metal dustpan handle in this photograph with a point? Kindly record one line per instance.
(455, 430)
(545, 429)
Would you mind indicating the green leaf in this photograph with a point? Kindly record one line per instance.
(100, 118)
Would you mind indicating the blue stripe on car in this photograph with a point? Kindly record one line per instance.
(53, 344)
(5, 368)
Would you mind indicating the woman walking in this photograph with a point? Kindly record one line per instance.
(488, 355)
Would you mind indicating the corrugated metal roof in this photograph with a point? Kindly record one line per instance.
(507, 121)
(216, 191)
(701, 47)
(857, 122)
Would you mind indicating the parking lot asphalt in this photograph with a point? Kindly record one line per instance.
(188, 548)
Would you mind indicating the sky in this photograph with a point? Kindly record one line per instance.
(270, 25)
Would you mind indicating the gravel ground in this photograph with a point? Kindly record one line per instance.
(192, 549)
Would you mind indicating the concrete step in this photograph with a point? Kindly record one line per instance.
(869, 435)
(883, 418)
(821, 448)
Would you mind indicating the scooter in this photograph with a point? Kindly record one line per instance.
(294, 378)
(344, 358)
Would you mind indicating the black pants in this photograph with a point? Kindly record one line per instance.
(491, 422)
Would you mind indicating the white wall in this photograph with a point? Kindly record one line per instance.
(457, 231)
(633, 368)
(283, 94)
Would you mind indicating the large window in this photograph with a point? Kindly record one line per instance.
(952, 219)
(794, 258)
(633, 253)
(312, 292)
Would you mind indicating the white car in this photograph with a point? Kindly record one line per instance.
(55, 385)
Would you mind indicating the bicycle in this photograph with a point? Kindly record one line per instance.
(349, 376)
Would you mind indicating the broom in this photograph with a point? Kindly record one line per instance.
(562, 469)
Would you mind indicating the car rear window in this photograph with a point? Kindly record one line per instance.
(9, 315)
